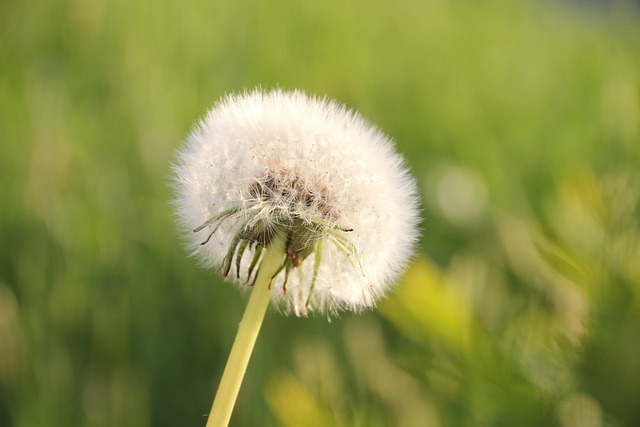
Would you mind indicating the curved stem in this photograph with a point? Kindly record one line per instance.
(247, 334)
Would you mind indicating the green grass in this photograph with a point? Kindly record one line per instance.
(521, 122)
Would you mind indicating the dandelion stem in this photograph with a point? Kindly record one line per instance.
(247, 334)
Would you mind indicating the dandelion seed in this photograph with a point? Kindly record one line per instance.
(260, 162)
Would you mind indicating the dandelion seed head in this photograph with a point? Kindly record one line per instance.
(259, 162)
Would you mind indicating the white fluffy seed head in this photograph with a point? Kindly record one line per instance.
(263, 161)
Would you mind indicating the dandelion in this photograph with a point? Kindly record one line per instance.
(301, 199)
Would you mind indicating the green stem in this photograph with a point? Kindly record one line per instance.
(246, 337)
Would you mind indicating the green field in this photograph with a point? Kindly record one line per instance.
(519, 119)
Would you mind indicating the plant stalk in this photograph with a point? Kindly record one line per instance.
(246, 336)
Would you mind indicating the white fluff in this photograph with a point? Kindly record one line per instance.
(333, 167)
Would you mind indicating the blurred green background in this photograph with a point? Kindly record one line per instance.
(519, 119)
